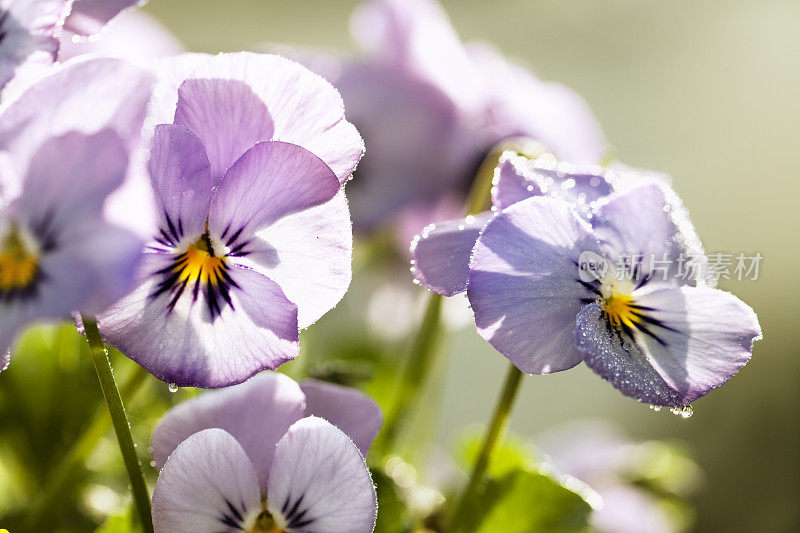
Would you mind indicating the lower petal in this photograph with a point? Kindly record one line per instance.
(187, 345)
(207, 485)
(319, 481)
(695, 340)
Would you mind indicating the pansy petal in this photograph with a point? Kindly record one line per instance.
(89, 16)
(70, 177)
(256, 413)
(270, 181)
(638, 226)
(306, 110)
(524, 285)
(181, 177)
(350, 410)
(309, 254)
(319, 481)
(226, 115)
(5, 358)
(441, 253)
(28, 27)
(511, 185)
(208, 485)
(200, 342)
(691, 341)
(85, 95)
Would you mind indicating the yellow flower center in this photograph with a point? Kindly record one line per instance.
(620, 310)
(200, 263)
(18, 263)
(265, 524)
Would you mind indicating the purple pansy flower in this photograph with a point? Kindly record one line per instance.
(448, 104)
(57, 253)
(635, 315)
(254, 239)
(267, 455)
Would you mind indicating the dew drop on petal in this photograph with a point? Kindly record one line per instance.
(173, 387)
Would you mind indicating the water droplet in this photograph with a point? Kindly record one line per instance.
(683, 412)
(152, 464)
(655, 408)
(173, 387)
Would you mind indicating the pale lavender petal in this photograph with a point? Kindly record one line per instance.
(518, 177)
(524, 285)
(690, 341)
(5, 359)
(319, 481)
(134, 35)
(270, 181)
(226, 115)
(28, 28)
(256, 413)
(181, 177)
(630, 509)
(203, 341)
(350, 410)
(441, 253)
(69, 178)
(208, 485)
(638, 227)
(89, 16)
(523, 105)
(306, 110)
(416, 36)
(83, 95)
(309, 254)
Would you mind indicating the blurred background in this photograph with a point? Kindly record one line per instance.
(708, 92)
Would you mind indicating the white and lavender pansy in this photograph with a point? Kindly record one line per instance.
(254, 458)
(57, 253)
(548, 290)
(441, 252)
(254, 240)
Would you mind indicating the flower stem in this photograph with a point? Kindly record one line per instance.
(417, 366)
(105, 374)
(40, 510)
(497, 427)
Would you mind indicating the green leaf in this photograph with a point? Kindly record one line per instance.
(511, 454)
(392, 516)
(527, 502)
(122, 523)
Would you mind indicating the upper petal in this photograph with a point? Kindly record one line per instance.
(646, 228)
(348, 409)
(441, 253)
(524, 285)
(319, 481)
(202, 340)
(270, 181)
(256, 413)
(306, 110)
(181, 177)
(208, 485)
(693, 340)
(89, 16)
(226, 115)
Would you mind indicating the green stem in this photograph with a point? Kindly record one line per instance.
(419, 363)
(497, 428)
(40, 511)
(105, 374)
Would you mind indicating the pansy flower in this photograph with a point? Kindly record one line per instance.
(448, 104)
(595, 270)
(57, 253)
(254, 239)
(267, 456)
